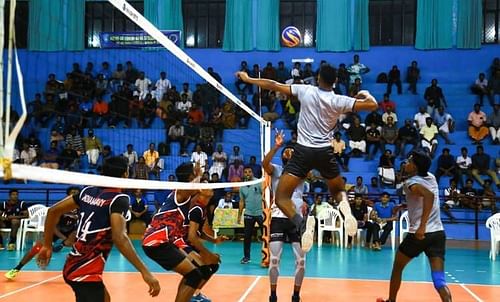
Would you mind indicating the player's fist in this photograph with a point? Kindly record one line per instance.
(44, 256)
(242, 76)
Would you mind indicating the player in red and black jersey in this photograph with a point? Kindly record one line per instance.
(165, 237)
(102, 223)
(64, 235)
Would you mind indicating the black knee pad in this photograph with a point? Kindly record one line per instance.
(194, 278)
(208, 270)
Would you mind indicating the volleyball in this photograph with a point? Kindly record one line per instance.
(290, 36)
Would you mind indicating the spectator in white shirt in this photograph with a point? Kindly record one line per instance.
(162, 85)
(219, 159)
(183, 105)
(226, 202)
(189, 93)
(131, 155)
(28, 155)
(420, 117)
(480, 88)
(199, 157)
(464, 164)
(391, 113)
(142, 85)
(445, 123)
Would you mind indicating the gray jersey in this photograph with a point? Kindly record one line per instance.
(319, 113)
(296, 196)
(415, 204)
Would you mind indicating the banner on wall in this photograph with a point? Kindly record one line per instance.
(135, 39)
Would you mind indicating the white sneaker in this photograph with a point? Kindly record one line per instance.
(307, 238)
(350, 223)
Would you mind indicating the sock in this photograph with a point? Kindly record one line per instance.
(297, 220)
(273, 293)
(19, 266)
(296, 293)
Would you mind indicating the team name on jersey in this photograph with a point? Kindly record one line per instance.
(94, 201)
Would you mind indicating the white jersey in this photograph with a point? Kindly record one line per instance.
(296, 196)
(415, 204)
(319, 112)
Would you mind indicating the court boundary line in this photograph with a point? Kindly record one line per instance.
(250, 289)
(29, 287)
(476, 297)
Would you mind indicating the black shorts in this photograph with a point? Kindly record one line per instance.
(304, 159)
(87, 291)
(167, 255)
(283, 229)
(433, 245)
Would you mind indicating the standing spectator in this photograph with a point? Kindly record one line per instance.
(374, 190)
(451, 198)
(68, 159)
(357, 69)
(421, 117)
(11, 213)
(493, 123)
(50, 157)
(219, 159)
(198, 157)
(407, 134)
(386, 102)
(357, 136)
(477, 125)
(481, 88)
(162, 85)
(434, 95)
(445, 123)
(412, 77)
(152, 159)
(360, 188)
(131, 155)
(339, 147)
(446, 165)
(464, 164)
(481, 166)
(429, 136)
(141, 170)
(251, 201)
(93, 146)
(394, 77)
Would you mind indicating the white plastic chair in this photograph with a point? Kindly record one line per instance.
(35, 223)
(18, 238)
(404, 226)
(361, 236)
(493, 223)
(330, 220)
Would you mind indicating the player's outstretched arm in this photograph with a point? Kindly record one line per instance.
(123, 244)
(265, 84)
(365, 102)
(54, 213)
(278, 142)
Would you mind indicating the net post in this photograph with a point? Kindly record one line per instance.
(266, 192)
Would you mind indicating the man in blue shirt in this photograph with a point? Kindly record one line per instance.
(386, 211)
(139, 207)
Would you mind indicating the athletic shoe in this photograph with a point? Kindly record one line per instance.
(245, 260)
(307, 237)
(11, 247)
(12, 274)
(273, 299)
(200, 298)
(58, 246)
(350, 223)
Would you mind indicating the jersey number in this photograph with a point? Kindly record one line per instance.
(84, 226)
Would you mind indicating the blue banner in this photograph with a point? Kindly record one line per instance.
(135, 39)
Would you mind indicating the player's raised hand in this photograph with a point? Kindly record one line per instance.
(153, 283)
(242, 76)
(197, 169)
(43, 258)
(279, 138)
(362, 94)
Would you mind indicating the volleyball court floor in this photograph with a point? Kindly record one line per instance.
(332, 274)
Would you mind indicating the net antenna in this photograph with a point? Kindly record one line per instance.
(8, 137)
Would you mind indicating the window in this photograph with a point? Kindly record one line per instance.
(102, 16)
(203, 23)
(301, 14)
(491, 21)
(392, 22)
(20, 22)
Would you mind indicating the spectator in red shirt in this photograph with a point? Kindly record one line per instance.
(100, 113)
(387, 102)
(196, 114)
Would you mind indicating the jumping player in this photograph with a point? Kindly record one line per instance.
(102, 223)
(426, 232)
(164, 239)
(282, 229)
(64, 235)
(320, 109)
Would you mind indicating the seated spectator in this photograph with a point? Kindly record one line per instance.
(187, 92)
(149, 111)
(412, 77)
(477, 125)
(152, 159)
(374, 190)
(407, 134)
(451, 198)
(489, 197)
(373, 138)
(343, 78)
(481, 89)
(429, 136)
(141, 170)
(256, 168)
(339, 147)
(228, 115)
(196, 114)
(360, 212)
(389, 113)
(241, 86)
(11, 213)
(272, 113)
(374, 117)
(143, 85)
(445, 123)
(446, 165)
(28, 155)
(394, 77)
(386, 102)
(386, 170)
(357, 138)
(469, 196)
(50, 157)
(493, 123)
(131, 155)
(420, 117)
(434, 97)
(139, 207)
(56, 137)
(235, 171)
(360, 188)
(69, 158)
(198, 157)
(385, 212)
(241, 115)
(100, 112)
(176, 134)
(136, 110)
(219, 159)
(207, 139)
(464, 164)
(183, 106)
(93, 147)
(226, 202)
(389, 134)
(191, 134)
(236, 155)
(481, 166)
